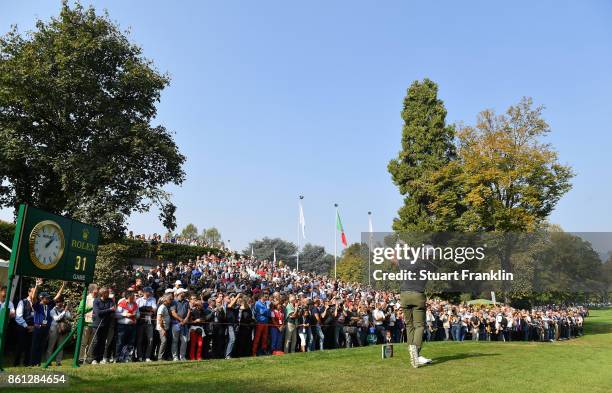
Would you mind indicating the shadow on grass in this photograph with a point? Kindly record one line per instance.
(597, 327)
(459, 356)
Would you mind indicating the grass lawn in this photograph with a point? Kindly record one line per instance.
(580, 365)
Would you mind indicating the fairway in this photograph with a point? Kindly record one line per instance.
(580, 365)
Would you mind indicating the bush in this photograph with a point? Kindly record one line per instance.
(7, 231)
(111, 266)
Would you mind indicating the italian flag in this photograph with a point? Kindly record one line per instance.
(341, 229)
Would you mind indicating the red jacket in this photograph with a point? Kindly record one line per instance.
(278, 317)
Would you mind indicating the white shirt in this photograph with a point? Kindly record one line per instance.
(376, 315)
(19, 314)
(165, 316)
(11, 307)
(58, 315)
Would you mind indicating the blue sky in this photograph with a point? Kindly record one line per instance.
(270, 100)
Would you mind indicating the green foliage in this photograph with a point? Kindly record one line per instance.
(606, 274)
(7, 231)
(465, 297)
(427, 145)
(500, 178)
(314, 259)
(352, 266)
(72, 293)
(76, 104)
(568, 263)
(512, 181)
(211, 236)
(190, 231)
(111, 265)
(167, 216)
(264, 249)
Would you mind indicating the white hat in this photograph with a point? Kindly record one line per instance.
(169, 290)
(181, 290)
(178, 282)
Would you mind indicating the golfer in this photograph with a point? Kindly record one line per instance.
(412, 299)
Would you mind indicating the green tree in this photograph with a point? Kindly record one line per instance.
(190, 231)
(167, 217)
(606, 271)
(264, 249)
(513, 180)
(314, 259)
(352, 266)
(568, 263)
(212, 236)
(427, 146)
(77, 100)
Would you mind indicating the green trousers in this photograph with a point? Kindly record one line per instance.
(414, 315)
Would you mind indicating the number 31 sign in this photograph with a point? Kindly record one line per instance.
(55, 247)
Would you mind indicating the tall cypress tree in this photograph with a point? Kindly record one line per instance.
(427, 146)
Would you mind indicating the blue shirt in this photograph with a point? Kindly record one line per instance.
(262, 312)
(42, 313)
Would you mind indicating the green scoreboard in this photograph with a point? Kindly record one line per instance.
(50, 246)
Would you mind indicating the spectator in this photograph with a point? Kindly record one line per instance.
(147, 307)
(180, 329)
(127, 313)
(277, 321)
(261, 313)
(3, 300)
(196, 329)
(24, 316)
(92, 293)
(245, 328)
(292, 314)
(60, 327)
(42, 322)
(163, 326)
(103, 312)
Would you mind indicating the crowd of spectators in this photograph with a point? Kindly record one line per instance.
(445, 321)
(222, 307)
(155, 239)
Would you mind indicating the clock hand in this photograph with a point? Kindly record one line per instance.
(50, 241)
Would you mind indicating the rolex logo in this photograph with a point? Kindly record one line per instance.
(85, 234)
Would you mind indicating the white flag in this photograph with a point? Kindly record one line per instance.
(302, 221)
(252, 253)
(274, 260)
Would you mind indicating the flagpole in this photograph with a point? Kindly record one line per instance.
(369, 248)
(297, 264)
(335, 238)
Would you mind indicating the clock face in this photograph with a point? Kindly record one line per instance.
(46, 244)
